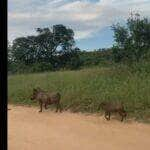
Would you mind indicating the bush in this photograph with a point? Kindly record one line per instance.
(22, 68)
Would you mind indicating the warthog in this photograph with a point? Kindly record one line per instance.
(110, 107)
(46, 98)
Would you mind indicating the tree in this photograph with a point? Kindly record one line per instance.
(42, 48)
(48, 41)
(24, 50)
(9, 49)
(45, 45)
(132, 41)
(69, 59)
(120, 34)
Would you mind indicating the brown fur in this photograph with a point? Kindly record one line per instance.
(110, 107)
(46, 98)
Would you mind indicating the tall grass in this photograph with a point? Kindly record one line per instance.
(83, 90)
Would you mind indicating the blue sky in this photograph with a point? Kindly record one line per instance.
(103, 39)
(90, 19)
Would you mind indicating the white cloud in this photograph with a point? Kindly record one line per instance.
(85, 17)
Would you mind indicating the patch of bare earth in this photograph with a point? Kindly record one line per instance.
(30, 130)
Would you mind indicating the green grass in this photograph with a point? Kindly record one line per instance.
(83, 90)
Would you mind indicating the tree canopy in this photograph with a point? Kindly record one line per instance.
(42, 48)
(132, 40)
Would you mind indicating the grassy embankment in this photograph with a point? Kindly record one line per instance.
(83, 90)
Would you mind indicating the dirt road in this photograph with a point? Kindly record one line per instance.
(30, 130)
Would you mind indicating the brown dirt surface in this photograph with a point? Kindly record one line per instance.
(30, 130)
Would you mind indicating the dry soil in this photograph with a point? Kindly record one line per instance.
(30, 130)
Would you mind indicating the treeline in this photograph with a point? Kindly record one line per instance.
(50, 49)
(96, 58)
(54, 48)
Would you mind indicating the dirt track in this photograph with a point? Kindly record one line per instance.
(30, 130)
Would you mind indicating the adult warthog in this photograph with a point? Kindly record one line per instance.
(110, 107)
(46, 98)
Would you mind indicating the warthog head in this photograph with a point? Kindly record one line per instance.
(124, 114)
(35, 91)
(101, 105)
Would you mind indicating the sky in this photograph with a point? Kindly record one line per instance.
(91, 20)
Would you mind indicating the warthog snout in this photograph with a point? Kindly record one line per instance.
(31, 97)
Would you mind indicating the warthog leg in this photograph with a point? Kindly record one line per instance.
(40, 106)
(107, 114)
(58, 107)
(45, 106)
(122, 115)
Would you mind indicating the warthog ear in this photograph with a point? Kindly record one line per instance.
(34, 90)
(102, 104)
(38, 89)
